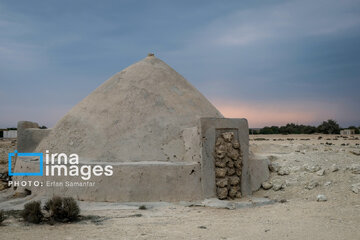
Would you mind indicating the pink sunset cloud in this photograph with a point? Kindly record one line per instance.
(278, 113)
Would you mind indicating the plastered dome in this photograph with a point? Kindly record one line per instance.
(139, 114)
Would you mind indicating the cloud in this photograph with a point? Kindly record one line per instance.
(26, 41)
(266, 23)
(44, 115)
(271, 113)
(296, 55)
(292, 19)
(15, 57)
(244, 51)
(16, 52)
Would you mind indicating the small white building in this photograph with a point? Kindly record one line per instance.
(9, 134)
(347, 132)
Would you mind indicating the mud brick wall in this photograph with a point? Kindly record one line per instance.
(228, 166)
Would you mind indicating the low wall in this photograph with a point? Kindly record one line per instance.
(259, 171)
(130, 182)
(29, 136)
(144, 181)
(10, 134)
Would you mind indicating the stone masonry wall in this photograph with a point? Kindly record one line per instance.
(228, 166)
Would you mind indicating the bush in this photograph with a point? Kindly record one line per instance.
(2, 216)
(62, 209)
(329, 127)
(71, 209)
(32, 212)
(142, 207)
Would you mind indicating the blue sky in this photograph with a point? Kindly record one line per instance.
(272, 62)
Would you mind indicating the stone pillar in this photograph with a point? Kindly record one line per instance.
(218, 163)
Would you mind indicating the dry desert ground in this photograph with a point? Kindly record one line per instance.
(303, 167)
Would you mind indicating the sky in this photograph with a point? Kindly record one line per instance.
(272, 62)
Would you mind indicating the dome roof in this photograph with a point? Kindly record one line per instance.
(136, 115)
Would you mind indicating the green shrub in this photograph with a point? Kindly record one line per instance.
(329, 127)
(62, 209)
(53, 205)
(71, 208)
(32, 212)
(142, 207)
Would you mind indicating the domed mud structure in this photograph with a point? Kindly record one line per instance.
(163, 139)
(139, 114)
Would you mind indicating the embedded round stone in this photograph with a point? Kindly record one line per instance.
(220, 163)
(220, 172)
(230, 163)
(228, 136)
(235, 180)
(237, 164)
(220, 151)
(239, 172)
(232, 192)
(222, 193)
(234, 154)
(222, 182)
(231, 171)
(219, 141)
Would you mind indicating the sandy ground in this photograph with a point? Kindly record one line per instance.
(300, 217)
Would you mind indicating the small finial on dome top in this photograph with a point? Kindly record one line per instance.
(150, 55)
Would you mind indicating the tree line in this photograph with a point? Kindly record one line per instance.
(326, 127)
